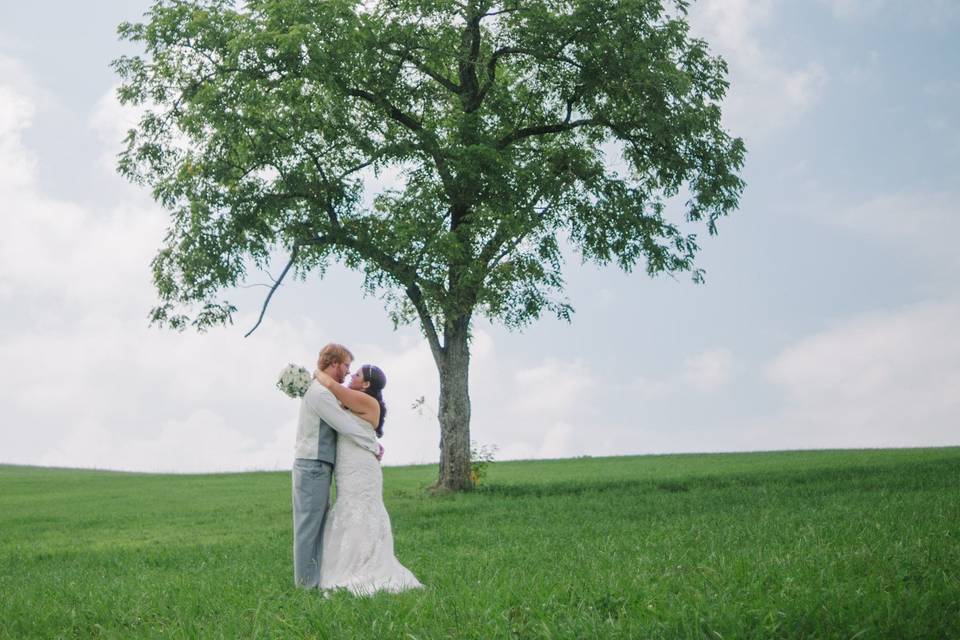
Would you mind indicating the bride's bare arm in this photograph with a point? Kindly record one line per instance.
(358, 402)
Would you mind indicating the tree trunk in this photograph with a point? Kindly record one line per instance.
(455, 409)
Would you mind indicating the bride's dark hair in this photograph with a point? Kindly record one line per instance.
(377, 381)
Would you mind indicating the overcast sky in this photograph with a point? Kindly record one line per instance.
(829, 318)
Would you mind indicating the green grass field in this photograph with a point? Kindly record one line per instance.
(828, 544)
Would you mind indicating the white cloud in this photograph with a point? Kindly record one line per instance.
(562, 408)
(932, 14)
(545, 409)
(111, 121)
(916, 217)
(703, 372)
(136, 384)
(553, 387)
(69, 253)
(710, 370)
(87, 383)
(923, 224)
(58, 250)
(557, 442)
(201, 442)
(560, 440)
(880, 380)
(648, 388)
(16, 114)
(765, 94)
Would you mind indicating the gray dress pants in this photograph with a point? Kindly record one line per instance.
(311, 497)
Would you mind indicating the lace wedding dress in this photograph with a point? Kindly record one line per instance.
(357, 541)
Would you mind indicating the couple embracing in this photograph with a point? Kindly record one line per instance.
(350, 545)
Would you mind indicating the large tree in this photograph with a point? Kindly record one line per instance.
(518, 127)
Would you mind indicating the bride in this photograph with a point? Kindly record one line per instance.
(357, 541)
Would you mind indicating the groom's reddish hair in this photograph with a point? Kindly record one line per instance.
(333, 353)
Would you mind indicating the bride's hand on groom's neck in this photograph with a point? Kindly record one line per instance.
(322, 378)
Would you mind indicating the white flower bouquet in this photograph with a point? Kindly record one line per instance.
(294, 380)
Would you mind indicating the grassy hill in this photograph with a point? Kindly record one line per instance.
(821, 544)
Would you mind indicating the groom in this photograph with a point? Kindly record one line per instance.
(321, 418)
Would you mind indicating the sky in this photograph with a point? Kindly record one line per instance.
(829, 317)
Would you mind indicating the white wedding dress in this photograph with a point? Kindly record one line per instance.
(357, 540)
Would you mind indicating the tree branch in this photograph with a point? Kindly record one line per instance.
(426, 320)
(492, 69)
(469, 56)
(403, 118)
(326, 204)
(357, 167)
(441, 79)
(507, 51)
(486, 255)
(428, 144)
(273, 289)
(502, 11)
(541, 130)
(513, 245)
(399, 270)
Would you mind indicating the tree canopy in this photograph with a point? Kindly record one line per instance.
(515, 127)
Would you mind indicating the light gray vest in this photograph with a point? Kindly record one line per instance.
(316, 440)
(326, 443)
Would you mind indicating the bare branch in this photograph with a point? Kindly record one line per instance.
(273, 289)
